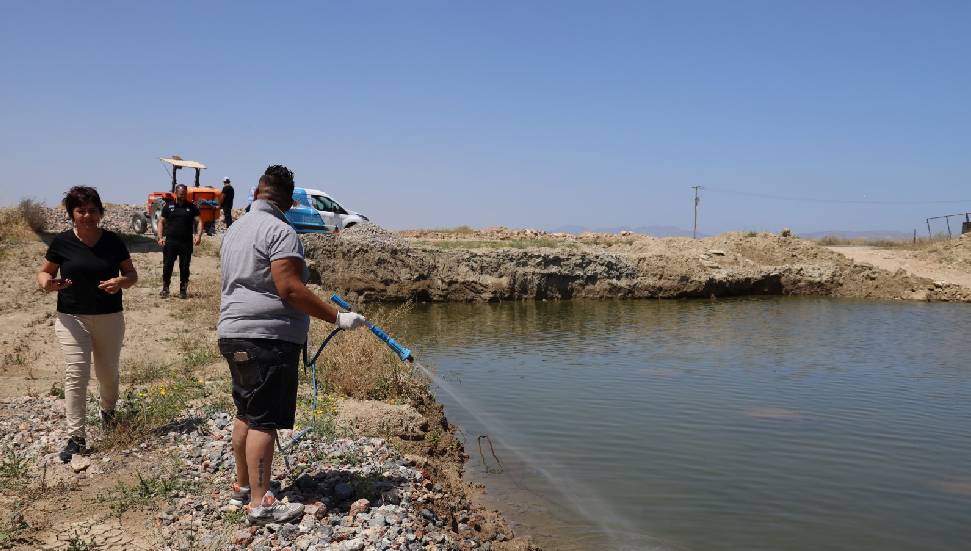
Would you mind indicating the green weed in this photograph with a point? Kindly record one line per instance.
(195, 351)
(12, 530)
(142, 371)
(14, 465)
(147, 409)
(145, 491)
(77, 543)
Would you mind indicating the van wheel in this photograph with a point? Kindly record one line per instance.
(351, 225)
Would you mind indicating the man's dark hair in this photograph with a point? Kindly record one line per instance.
(79, 196)
(277, 183)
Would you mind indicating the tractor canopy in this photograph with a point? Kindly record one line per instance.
(178, 163)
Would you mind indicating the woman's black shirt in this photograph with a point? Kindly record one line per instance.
(86, 267)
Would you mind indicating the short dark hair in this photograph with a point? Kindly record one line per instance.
(177, 186)
(81, 195)
(277, 182)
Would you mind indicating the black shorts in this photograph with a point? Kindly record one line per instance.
(265, 380)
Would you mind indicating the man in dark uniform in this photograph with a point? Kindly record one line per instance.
(176, 238)
(226, 201)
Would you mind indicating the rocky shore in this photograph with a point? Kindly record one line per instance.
(359, 492)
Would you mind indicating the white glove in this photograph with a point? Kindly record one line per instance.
(350, 320)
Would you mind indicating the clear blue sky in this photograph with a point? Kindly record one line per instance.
(517, 113)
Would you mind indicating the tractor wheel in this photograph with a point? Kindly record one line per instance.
(139, 223)
(157, 207)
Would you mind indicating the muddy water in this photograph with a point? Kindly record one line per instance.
(776, 423)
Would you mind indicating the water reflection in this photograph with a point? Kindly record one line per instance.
(763, 423)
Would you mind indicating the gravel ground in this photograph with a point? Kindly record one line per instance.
(358, 493)
(366, 233)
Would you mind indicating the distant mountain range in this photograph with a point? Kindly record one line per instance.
(657, 231)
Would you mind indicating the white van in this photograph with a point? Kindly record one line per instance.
(335, 216)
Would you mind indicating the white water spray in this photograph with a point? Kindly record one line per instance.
(621, 534)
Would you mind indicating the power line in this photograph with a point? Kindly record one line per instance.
(831, 200)
(694, 230)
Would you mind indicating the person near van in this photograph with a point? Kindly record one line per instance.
(263, 322)
(176, 238)
(226, 201)
(94, 266)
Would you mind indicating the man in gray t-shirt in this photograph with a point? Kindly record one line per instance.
(264, 315)
(250, 306)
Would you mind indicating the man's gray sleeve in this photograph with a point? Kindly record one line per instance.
(284, 243)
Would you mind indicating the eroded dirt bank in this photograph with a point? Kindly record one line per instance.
(500, 264)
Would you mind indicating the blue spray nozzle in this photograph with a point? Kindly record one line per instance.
(340, 302)
(402, 352)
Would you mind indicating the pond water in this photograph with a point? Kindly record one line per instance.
(768, 423)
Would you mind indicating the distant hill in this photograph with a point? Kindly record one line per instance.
(891, 235)
(657, 231)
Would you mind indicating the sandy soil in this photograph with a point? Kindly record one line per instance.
(917, 263)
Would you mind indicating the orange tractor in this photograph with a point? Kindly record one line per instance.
(205, 198)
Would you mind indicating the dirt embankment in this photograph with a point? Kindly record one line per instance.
(499, 264)
(947, 262)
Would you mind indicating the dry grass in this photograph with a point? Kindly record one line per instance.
(22, 222)
(498, 244)
(909, 244)
(458, 230)
(202, 308)
(209, 246)
(358, 365)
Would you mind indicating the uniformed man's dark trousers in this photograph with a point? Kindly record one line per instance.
(175, 248)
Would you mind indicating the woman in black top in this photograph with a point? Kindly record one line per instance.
(94, 267)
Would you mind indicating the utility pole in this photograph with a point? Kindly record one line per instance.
(694, 231)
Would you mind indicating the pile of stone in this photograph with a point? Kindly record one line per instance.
(117, 218)
(357, 494)
(33, 428)
(373, 234)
